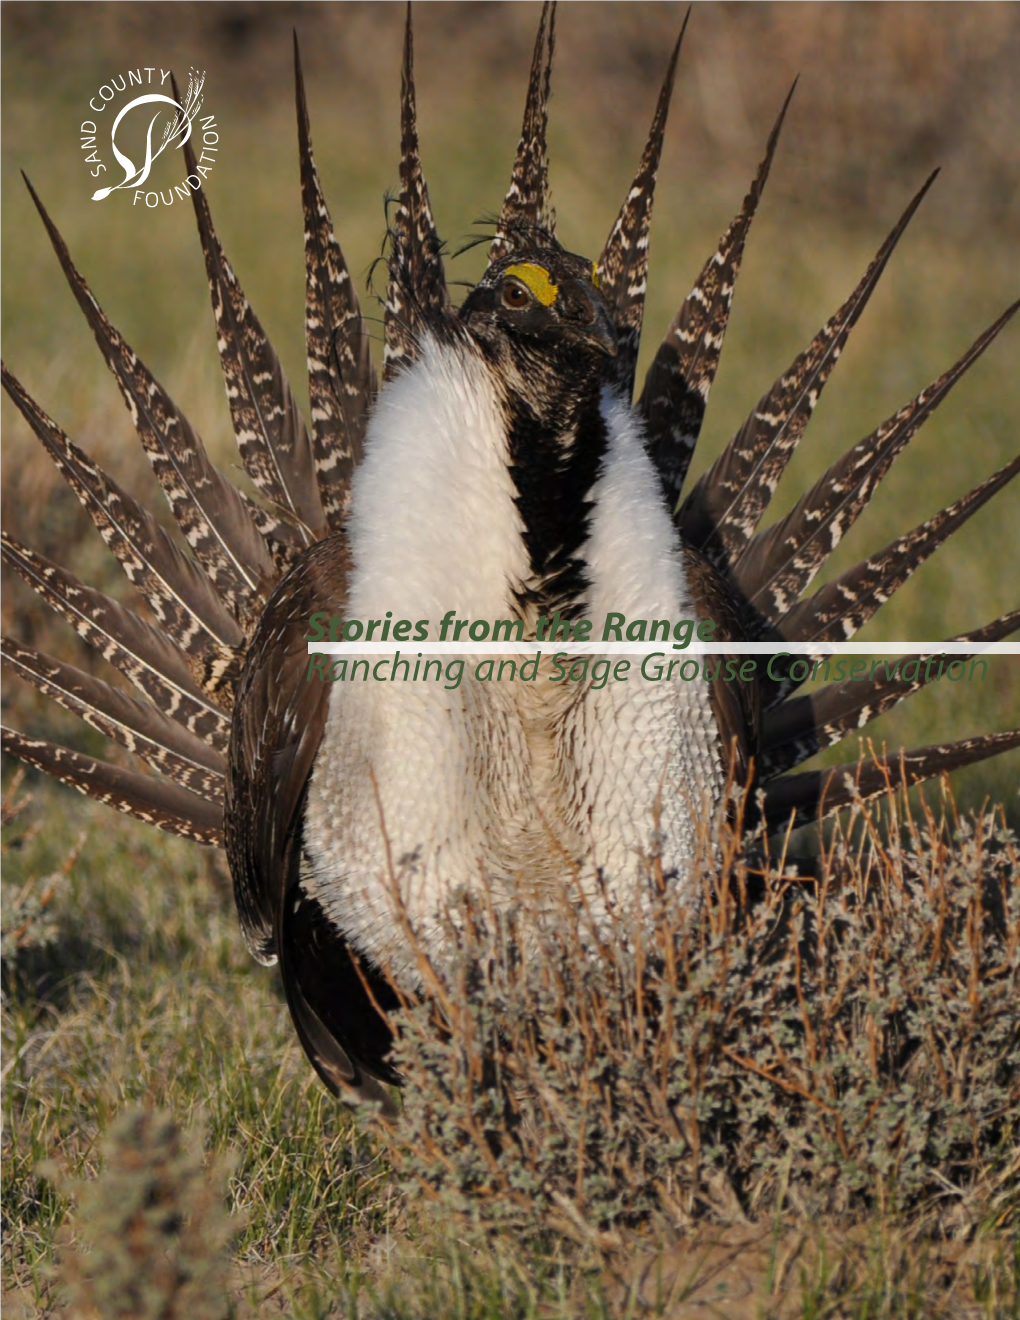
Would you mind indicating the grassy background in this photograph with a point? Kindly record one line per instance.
(147, 992)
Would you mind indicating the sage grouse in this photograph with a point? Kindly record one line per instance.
(507, 426)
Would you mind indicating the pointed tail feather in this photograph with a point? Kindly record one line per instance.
(137, 725)
(724, 508)
(147, 657)
(182, 598)
(208, 509)
(797, 729)
(155, 801)
(416, 296)
(341, 378)
(837, 610)
(284, 538)
(527, 218)
(777, 564)
(678, 382)
(623, 265)
(271, 434)
(804, 798)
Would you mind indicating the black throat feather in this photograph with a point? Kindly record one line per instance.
(557, 443)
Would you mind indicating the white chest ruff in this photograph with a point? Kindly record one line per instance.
(421, 789)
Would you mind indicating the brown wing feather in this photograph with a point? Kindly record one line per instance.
(736, 704)
(278, 724)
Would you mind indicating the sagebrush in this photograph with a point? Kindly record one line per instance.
(843, 1043)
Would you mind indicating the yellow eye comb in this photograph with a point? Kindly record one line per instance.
(538, 281)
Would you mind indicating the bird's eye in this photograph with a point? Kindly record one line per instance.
(514, 295)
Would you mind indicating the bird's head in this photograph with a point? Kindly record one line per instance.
(548, 338)
(539, 316)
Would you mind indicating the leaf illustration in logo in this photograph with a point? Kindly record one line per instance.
(180, 127)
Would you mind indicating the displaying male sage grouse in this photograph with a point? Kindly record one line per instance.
(507, 426)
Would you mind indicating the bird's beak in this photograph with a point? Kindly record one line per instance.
(585, 316)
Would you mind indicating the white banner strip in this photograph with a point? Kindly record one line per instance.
(663, 648)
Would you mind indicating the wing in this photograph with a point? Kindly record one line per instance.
(736, 705)
(338, 1004)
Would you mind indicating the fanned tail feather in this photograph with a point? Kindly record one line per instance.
(801, 799)
(623, 265)
(341, 377)
(677, 384)
(417, 291)
(208, 609)
(725, 506)
(284, 538)
(271, 435)
(840, 608)
(210, 512)
(527, 218)
(797, 729)
(144, 655)
(182, 598)
(155, 801)
(778, 564)
(137, 725)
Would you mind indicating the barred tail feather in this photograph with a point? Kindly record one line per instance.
(341, 377)
(284, 538)
(797, 729)
(271, 434)
(182, 598)
(800, 799)
(836, 611)
(677, 385)
(144, 655)
(527, 217)
(417, 283)
(136, 725)
(779, 563)
(623, 265)
(209, 511)
(155, 801)
(725, 506)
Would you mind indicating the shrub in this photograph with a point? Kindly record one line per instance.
(841, 1043)
(28, 923)
(156, 1228)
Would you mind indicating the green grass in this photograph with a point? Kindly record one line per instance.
(144, 995)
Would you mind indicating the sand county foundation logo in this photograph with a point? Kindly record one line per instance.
(127, 139)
